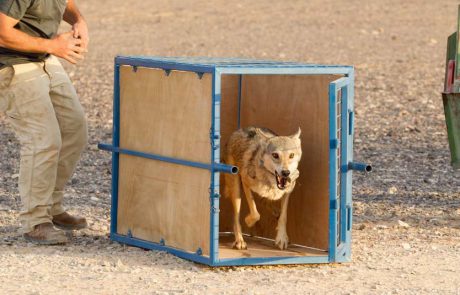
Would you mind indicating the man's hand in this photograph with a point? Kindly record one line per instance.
(80, 30)
(66, 46)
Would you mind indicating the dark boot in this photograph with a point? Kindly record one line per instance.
(46, 234)
(66, 221)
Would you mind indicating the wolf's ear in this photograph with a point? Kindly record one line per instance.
(263, 133)
(297, 134)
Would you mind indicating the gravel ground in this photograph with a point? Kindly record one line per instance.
(407, 213)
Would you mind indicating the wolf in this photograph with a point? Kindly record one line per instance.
(268, 167)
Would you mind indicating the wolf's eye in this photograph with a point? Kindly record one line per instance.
(275, 156)
(291, 156)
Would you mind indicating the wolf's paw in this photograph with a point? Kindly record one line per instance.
(251, 220)
(282, 240)
(240, 245)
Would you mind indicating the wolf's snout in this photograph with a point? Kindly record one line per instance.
(285, 173)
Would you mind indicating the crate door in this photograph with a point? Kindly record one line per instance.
(341, 140)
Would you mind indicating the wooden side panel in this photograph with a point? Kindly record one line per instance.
(283, 103)
(169, 116)
(159, 200)
(166, 115)
(229, 107)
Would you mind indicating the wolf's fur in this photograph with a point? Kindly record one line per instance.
(262, 157)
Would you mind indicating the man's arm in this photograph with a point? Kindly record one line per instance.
(73, 17)
(64, 45)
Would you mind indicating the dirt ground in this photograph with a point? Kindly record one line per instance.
(398, 49)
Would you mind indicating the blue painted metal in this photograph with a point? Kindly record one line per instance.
(154, 246)
(231, 65)
(273, 260)
(115, 156)
(153, 63)
(337, 252)
(215, 175)
(333, 171)
(216, 167)
(346, 177)
(357, 166)
(345, 139)
(220, 262)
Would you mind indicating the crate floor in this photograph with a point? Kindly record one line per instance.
(260, 247)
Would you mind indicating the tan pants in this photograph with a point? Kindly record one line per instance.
(43, 108)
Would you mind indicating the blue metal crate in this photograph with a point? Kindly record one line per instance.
(341, 120)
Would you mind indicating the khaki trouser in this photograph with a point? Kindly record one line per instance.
(43, 108)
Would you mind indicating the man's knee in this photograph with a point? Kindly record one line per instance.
(50, 141)
(77, 130)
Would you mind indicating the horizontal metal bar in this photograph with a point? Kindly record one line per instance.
(286, 70)
(272, 260)
(359, 167)
(155, 246)
(218, 167)
(340, 83)
(149, 63)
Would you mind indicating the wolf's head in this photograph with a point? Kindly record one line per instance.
(281, 156)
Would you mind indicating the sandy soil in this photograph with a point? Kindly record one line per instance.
(398, 48)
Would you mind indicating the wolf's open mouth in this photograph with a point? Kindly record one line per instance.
(281, 181)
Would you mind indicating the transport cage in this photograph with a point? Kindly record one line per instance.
(172, 118)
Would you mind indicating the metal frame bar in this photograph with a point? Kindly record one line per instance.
(334, 143)
(165, 65)
(286, 70)
(342, 252)
(215, 175)
(159, 247)
(216, 167)
(115, 156)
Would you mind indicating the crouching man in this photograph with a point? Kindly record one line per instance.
(43, 109)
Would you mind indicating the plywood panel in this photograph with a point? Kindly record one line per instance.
(166, 115)
(262, 248)
(283, 103)
(159, 200)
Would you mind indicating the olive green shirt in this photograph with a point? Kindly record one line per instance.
(37, 18)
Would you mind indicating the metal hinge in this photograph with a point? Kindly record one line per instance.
(333, 205)
(334, 143)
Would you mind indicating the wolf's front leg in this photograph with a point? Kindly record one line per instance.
(233, 190)
(282, 239)
(239, 243)
(253, 215)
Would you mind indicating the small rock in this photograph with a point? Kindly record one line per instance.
(406, 246)
(119, 263)
(392, 190)
(435, 221)
(14, 176)
(361, 226)
(403, 224)
(381, 226)
(94, 199)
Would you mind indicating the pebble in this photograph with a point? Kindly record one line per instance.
(406, 246)
(392, 190)
(403, 224)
